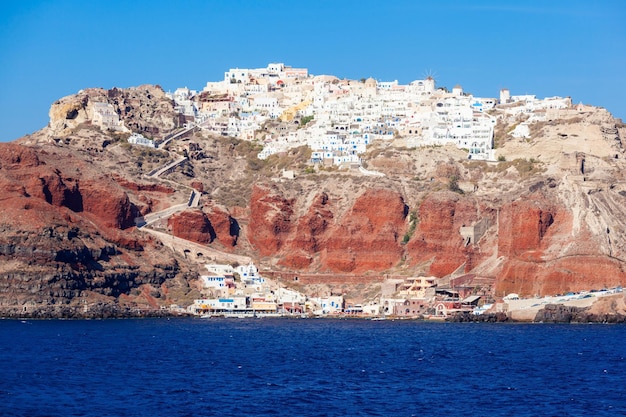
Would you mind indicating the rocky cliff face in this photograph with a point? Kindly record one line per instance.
(367, 237)
(547, 252)
(364, 238)
(550, 219)
(144, 109)
(214, 225)
(310, 234)
(270, 220)
(26, 175)
(62, 240)
(529, 243)
(192, 225)
(438, 240)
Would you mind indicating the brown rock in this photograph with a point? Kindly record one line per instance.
(13, 156)
(437, 238)
(366, 238)
(226, 227)
(198, 186)
(522, 226)
(270, 220)
(102, 198)
(159, 188)
(144, 109)
(310, 234)
(192, 225)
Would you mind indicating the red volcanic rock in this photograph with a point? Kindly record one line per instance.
(522, 226)
(50, 186)
(198, 186)
(192, 225)
(13, 155)
(226, 228)
(147, 197)
(143, 187)
(366, 238)
(108, 203)
(270, 220)
(105, 202)
(437, 238)
(296, 260)
(241, 213)
(61, 250)
(535, 241)
(309, 235)
(575, 273)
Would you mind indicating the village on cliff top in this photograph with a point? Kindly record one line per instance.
(337, 118)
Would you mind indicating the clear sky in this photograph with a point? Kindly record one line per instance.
(53, 48)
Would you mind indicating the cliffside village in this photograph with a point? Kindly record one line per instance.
(337, 118)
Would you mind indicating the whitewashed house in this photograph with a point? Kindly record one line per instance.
(329, 305)
(285, 295)
(249, 275)
(219, 277)
(138, 139)
(105, 116)
(232, 304)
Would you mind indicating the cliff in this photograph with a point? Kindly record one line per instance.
(548, 219)
(144, 109)
(66, 244)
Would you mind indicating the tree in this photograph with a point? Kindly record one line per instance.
(453, 185)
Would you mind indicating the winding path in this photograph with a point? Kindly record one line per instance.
(190, 250)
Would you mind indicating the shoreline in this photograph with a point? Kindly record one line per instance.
(556, 314)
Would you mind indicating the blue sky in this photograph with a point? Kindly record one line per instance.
(50, 49)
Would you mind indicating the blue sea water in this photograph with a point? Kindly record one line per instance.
(282, 367)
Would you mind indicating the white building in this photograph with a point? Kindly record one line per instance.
(522, 130)
(505, 96)
(285, 295)
(138, 139)
(214, 282)
(356, 112)
(249, 275)
(219, 277)
(329, 305)
(233, 304)
(426, 86)
(276, 73)
(387, 85)
(105, 116)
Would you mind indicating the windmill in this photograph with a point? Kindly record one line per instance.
(429, 74)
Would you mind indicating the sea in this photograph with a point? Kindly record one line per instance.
(309, 367)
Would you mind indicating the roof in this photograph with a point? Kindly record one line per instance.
(471, 299)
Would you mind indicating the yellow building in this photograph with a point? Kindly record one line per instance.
(416, 287)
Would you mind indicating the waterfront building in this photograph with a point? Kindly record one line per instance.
(417, 287)
(329, 305)
(231, 304)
